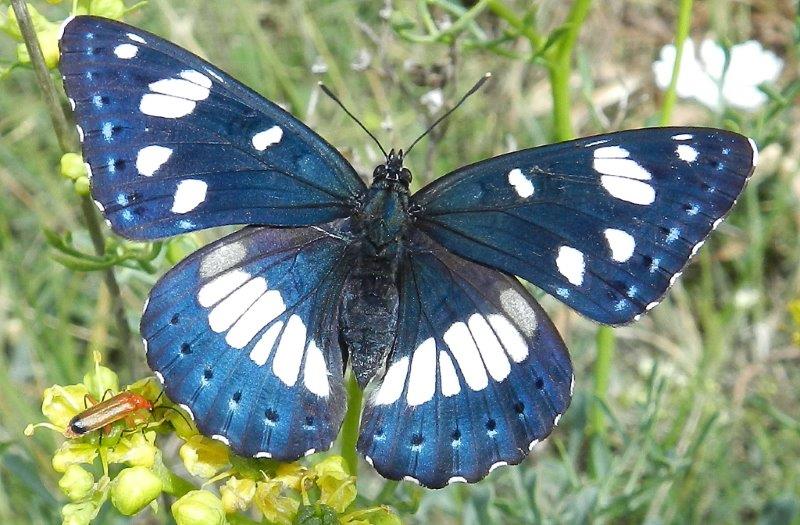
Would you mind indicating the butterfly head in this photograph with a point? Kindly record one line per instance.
(392, 170)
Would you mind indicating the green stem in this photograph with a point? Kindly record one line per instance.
(602, 374)
(560, 68)
(67, 143)
(350, 426)
(681, 33)
(504, 12)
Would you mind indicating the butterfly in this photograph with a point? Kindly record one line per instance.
(464, 370)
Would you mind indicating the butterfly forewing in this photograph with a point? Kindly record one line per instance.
(173, 144)
(477, 375)
(244, 334)
(603, 223)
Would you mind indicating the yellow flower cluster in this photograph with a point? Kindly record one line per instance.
(281, 493)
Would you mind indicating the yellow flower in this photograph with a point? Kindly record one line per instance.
(62, 403)
(204, 457)
(290, 474)
(275, 507)
(107, 8)
(133, 489)
(198, 507)
(101, 381)
(237, 494)
(73, 453)
(136, 449)
(337, 486)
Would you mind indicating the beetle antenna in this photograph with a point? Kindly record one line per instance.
(328, 92)
(472, 90)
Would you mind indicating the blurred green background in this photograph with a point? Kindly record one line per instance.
(690, 415)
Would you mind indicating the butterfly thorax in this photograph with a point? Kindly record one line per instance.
(370, 299)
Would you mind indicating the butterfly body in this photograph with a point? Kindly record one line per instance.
(465, 372)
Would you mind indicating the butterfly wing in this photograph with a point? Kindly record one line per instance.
(244, 334)
(476, 377)
(603, 223)
(173, 144)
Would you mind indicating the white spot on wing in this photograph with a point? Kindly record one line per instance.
(682, 136)
(165, 106)
(263, 347)
(80, 132)
(687, 153)
(620, 167)
(262, 455)
(621, 244)
(522, 185)
(180, 88)
(497, 465)
(457, 479)
(196, 77)
(64, 26)
(265, 309)
(221, 439)
(188, 195)
(571, 264)
(611, 152)
(150, 158)
(126, 51)
(227, 311)
(459, 340)
(136, 38)
(629, 190)
(393, 383)
(755, 151)
(263, 139)
(221, 286)
(422, 378)
(286, 363)
(315, 372)
(494, 357)
(188, 410)
(509, 336)
(450, 384)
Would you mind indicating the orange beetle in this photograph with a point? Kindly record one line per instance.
(106, 412)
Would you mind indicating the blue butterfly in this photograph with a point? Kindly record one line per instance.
(252, 333)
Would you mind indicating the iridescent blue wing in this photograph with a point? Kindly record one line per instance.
(244, 334)
(603, 223)
(174, 144)
(476, 377)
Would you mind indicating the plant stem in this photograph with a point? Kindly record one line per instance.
(682, 31)
(67, 143)
(350, 425)
(602, 374)
(560, 68)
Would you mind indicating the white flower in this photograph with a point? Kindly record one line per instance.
(706, 79)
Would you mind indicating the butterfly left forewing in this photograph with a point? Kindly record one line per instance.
(173, 144)
(603, 223)
(476, 377)
(243, 333)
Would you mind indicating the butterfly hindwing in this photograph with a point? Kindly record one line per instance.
(243, 333)
(603, 223)
(477, 374)
(174, 144)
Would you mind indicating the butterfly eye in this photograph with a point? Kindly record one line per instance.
(405, 175)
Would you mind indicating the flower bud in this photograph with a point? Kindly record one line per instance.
(204, 457)
(101, 379)
(237, 494)
(82, 186)
(180, 247)
(76, 483)
(72, 166)
(316, 515)
(133, 489)
(198, 507)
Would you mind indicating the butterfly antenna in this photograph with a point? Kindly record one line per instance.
(472, 90)
(328, 92)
